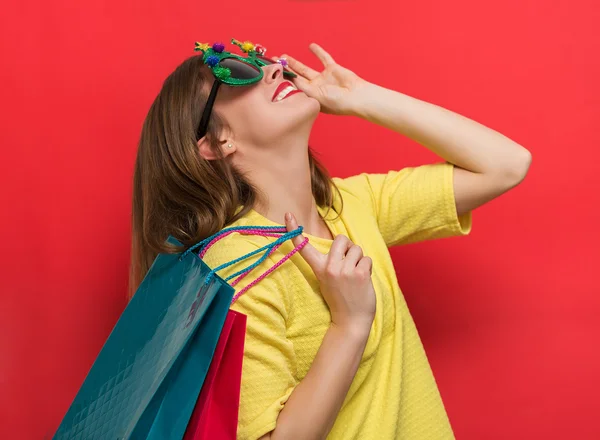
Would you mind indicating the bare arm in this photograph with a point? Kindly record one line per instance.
(313, 406)
(488, 163)
(345, 280)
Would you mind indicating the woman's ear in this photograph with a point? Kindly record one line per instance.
(207, 153)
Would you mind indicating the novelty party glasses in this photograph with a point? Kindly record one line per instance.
(234, 70)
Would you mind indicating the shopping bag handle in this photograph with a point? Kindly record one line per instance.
(266, 231)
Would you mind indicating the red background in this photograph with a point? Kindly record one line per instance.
(508, 315)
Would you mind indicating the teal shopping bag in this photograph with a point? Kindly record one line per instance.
(125, 387)
(147, 377)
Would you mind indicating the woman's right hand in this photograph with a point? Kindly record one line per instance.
(345, 278)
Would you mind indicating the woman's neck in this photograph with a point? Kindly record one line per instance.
(284, 183)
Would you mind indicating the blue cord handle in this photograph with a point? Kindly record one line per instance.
(266, 249)
(202, 244)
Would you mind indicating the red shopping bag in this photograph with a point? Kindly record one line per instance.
(215, 415)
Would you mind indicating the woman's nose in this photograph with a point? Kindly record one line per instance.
(273, 71)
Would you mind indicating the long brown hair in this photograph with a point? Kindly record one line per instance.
(177, 192)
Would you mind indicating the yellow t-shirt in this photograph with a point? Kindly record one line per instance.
(394, 394)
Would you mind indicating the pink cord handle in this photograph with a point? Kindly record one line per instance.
(279, 263)
(267, 272)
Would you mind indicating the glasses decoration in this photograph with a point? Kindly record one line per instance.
(211, 55)
(234, 70)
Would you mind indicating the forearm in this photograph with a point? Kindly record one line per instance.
(312, 408)
(454, 137)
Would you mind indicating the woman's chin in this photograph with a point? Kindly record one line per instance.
(315, 105)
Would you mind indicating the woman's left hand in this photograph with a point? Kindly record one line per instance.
(336, 88)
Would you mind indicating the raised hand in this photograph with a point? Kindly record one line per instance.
(335, 87)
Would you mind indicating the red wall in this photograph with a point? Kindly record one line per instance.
(508, 315)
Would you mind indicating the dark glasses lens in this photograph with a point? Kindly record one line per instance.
(239, 69)
(265, 59)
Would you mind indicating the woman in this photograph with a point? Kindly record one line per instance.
(331, 349)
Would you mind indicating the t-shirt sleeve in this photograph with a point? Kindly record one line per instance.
(412, 204)
(269, 363)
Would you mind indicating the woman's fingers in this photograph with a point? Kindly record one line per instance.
(291, 224)
(365, 264)
(338, 250)
(299, 68)
(304, 85)
(313, 257)
(353, 256)
(324, 56)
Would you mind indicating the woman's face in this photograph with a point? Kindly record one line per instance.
(257, 118)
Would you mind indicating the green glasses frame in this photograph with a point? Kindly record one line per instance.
(212, 57)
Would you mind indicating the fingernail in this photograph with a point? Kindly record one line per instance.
(288, 216)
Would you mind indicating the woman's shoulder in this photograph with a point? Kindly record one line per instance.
(233, 247)
(351, 185)
(234, 253)
(356, 194)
